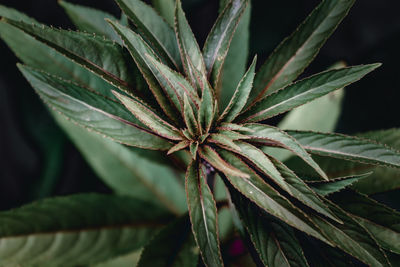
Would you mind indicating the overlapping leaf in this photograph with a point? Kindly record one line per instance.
(76, 230)
(294, 54)
(203, 214)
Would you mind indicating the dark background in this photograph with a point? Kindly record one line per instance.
(37, 160)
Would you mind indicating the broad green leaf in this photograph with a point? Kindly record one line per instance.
(166, 8)
(219, 39)
(275, 135)
(139, 50)
(203, 214)
(274, 241)
(191, 56)
(236, 59)
(304, 91)
(214, 159)
(294, 54)
(261, 161)
(92, 110)
(149, 118)
(128, 171)
(90, 20)
(173, 246)
(103, 57)
(154, 28)
(174, 84)
(303, 192)
(127, 260)
(352, 238)
(348, 148)
(241, 95)
(337, 184)
(76, 230)
(382, 222)
(267, 198)
(38, 55)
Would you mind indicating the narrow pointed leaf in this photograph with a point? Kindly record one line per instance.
(179, 146)
(275, 135)
(76, 230)
(174, 84)
(224, 141)
(215, 160)
(166, 8)
(304, 91)
(194, 146)
(128, 171)
(103, 57)
(41, 57)
(154, 28)
(90, 20)
(294, 54)
(303, 192)
(92, 111)
(261, 161)
(190, 119)
(207, 109)
(234, 127)
(149, 118)
(236, 60)
(381, 221)
(191, 55)
(347, 147)
(239, 98)
(352, 238)
(219, 39)
(263, 195)
(203, 214)
(139, 49)
(166, 250)
(274, 241)
(337, 184)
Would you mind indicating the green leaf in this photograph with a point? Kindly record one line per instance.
(270, 133)
(241, 95)
(381, 222)
(76, 230)
(166, 8)
(302, 192)
(306, 118)
(261, 161)
(304, 91)
(139, 49)
(149, 118)
(92, 111)
(203, 214)
(207, 110)
(267, 198)
(215, 160)
(103, 57)
(347, 147)
(154, 28)
(219, 39)
(173, 246)
(236, 59)
(190, 119)
(351, 237)
(90, 20)
(128, 171)
(191, 55)
(337, 184)
(294, 54)
(223, 141)
(179, 146)
(174, 84)
(194, 146)
(274, 241)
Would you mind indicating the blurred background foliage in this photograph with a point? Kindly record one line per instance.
(38, 160)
